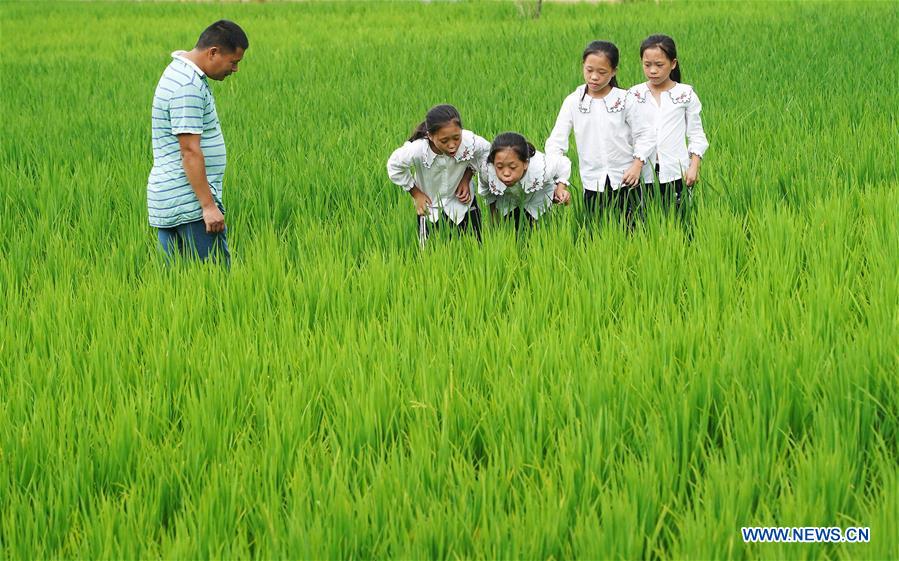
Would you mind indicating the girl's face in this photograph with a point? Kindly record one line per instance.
(509, 167)
(446, 139)
(657, 66)
(598, 72)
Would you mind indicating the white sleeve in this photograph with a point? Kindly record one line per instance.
(483, 189)
(401, 165)
(559, 169)
(557, 143)
(644, 143)
(697, 143)
(481, 151)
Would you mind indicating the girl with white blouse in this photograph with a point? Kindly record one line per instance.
(672, 111)
(519, 180)
(435, 167)
(612, 142)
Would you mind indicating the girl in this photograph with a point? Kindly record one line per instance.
(516, 177)
(613, 143)
(672, 110)
(436, 166)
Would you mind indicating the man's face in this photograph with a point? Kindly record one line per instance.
(221, 64)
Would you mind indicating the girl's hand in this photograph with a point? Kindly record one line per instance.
(632, 176)
(561, 195)
(463, 193)
(692, 175)
(422, 201)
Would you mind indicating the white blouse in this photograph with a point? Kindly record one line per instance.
(672, 120)
(609, 135)
(437, 175)
(533, 192)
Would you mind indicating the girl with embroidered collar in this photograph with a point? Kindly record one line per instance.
(517, 178)
(436, 165)
(613, 143)
(673, 110)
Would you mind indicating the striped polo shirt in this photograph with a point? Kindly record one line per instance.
(182, 104)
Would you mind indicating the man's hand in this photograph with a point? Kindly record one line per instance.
(214, 219)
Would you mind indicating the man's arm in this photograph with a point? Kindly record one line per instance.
(195, 169)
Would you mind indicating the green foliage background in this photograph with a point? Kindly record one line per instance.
(574, 391)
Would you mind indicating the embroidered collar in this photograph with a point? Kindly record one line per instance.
(613, 101)
(532, 181)
(640, 92)
(680, 93)
(494, 185)
(464, 153)
(584, 100)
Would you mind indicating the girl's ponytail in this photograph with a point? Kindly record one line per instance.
(421, 131)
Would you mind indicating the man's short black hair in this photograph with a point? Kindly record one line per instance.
(225, 35)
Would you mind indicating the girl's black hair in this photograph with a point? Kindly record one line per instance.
(666, 44)
(437, 117)
(512, 141)
(608, 50)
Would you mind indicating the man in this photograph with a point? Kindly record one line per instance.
(184, 191)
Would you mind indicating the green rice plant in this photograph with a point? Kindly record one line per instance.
(576, 390)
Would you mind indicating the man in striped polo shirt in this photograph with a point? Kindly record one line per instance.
(184, 191)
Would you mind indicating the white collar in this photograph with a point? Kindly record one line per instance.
(680, 93)
(640, 92)
(532, 180)
(179, 55)
(584, 101)
(613, 101)
(464, 153)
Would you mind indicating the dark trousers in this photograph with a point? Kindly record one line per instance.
(671, 194)
(517, 214)
(471, 223)
(626, 201)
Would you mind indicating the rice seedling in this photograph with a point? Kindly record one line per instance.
(574, 391)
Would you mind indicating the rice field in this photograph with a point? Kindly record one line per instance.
(575, 391)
